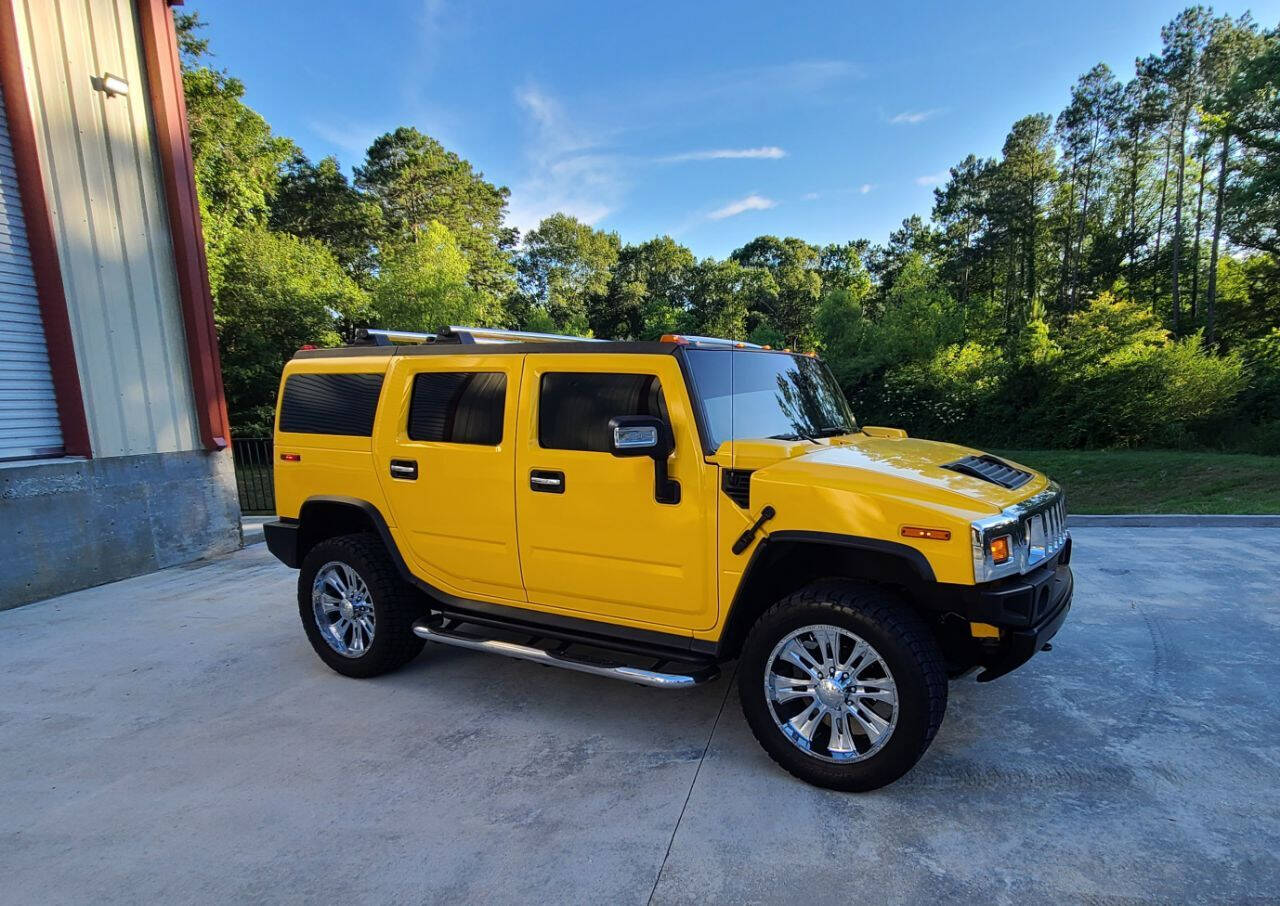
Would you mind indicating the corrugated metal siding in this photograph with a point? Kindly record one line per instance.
(103, 183)
(28, 409)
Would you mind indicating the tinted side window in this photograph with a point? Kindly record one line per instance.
(458, 407)
(575, 408)
(330, 403)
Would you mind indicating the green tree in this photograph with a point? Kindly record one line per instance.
(564, 268)
(1085, 129)
(648, 294)
(718, 298)
(416, 180)
(1255, 93)
(1232, 47)
(278, 293)
(422, 285)
(790, 306)
(315, 200)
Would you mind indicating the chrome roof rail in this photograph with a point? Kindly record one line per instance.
(496, 335)
(694, 340)
(387, 337)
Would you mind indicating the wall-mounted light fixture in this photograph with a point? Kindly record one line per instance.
(110, 85)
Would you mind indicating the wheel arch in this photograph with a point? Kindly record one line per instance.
(326, 516)
(787, 561)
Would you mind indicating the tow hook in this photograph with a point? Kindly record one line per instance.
(745, 539)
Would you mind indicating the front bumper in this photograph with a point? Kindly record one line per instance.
(1017, 646)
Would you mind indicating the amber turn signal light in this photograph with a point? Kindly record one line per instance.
(933, 534)
(1000, 549)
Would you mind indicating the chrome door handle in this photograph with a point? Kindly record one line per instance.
(406, 469)
(546, 481)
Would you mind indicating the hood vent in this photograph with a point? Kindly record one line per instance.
(736, 484)
(991, 469)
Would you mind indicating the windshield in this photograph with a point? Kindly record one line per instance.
(762, 394)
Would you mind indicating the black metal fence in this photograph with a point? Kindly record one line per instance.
(255, 480)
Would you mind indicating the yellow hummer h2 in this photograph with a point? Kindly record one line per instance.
(649, 511)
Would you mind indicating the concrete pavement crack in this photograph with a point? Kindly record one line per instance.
(687, 796)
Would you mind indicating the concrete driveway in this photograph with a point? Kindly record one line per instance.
(173, 738)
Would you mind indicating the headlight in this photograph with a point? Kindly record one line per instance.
(999, 548)
(1021, 537)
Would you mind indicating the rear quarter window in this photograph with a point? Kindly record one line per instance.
(343, 404)
(458, 407)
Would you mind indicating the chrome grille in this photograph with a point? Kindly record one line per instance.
(1044, 527)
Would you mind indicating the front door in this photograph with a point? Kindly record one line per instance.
(447, 467)
(594, 541)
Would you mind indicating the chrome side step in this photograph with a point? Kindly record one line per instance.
(694, 675)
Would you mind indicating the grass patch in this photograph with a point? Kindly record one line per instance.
(1160, 481)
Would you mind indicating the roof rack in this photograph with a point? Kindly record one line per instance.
(459, 334)
(688, 339)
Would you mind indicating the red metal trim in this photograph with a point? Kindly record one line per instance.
(169, 114)
(40, 240)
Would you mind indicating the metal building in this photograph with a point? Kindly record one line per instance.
(114, 454)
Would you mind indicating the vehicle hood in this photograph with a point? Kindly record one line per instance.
(898, 466)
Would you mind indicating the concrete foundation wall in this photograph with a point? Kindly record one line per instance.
(69, 524)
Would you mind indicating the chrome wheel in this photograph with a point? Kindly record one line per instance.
(343, 609)
(831, 694)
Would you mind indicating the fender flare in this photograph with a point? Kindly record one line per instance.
(908, 563)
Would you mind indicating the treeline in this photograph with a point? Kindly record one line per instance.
(1113, 278)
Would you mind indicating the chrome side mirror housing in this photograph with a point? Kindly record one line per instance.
(639, 435)
(644, 435)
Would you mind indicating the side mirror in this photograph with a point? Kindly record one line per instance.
(639, 435)
(644, 435)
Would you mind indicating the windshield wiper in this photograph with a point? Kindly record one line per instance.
(795, 436)
(831, 431)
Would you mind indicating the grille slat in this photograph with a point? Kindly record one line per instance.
(1045, 528)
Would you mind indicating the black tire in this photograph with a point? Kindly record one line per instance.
(907, 649)
(396, 605)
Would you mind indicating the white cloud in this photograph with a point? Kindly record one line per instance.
(865, 188)
(768, 152)
(811, 196)
(915, 117)
(752, 202)
(354, 138)
(565, 171)
(932, 179)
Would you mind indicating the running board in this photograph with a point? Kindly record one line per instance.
(692, 674)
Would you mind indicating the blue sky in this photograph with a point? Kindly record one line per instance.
(713, 122)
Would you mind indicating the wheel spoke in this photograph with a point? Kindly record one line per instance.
(332, 578)
(787, 688)
(877, 691)
(828, 647)
(806, 722)
(795, 653)
(872, 723)
(841, 737)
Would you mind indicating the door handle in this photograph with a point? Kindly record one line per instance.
(546, 481)
(406, 469)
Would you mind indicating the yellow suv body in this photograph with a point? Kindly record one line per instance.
(666, 502)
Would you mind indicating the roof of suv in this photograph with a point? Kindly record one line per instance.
(612, 346)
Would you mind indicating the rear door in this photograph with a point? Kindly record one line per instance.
(594, 540)
(445, 454)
